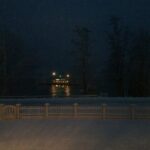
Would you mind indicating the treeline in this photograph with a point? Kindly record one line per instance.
(16, 66)
(129, 62)
(127, 71)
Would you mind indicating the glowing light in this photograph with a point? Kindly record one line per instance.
(67, 75)
(53, 90)
(54, 74)
(67, 90)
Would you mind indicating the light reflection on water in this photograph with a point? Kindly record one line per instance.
(60, 90)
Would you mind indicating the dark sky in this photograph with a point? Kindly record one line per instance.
(46, 25)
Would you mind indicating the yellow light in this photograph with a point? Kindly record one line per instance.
(67, 90)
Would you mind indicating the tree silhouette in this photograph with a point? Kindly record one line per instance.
(82, 54)
(140, 65)
(117, 40)
(11, 58)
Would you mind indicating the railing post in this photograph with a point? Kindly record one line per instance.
(1, 111)
(132, 112)
(75, 109)
(46, 109)
(18, 111)
(104, 106)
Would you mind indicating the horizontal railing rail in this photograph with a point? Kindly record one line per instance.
(47, 110)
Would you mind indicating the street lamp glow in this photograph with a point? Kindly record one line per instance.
(67, 75)
(54, 74)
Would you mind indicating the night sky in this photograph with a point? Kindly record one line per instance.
(46, 26)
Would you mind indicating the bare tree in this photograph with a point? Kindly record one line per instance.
(3, 65)
(10, 60)
(140, 65)
(118, 40)
(81, 52)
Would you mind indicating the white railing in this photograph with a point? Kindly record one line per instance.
(75, 111)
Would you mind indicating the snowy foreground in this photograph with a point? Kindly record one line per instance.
(74, 135)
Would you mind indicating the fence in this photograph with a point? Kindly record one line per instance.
(74, 111)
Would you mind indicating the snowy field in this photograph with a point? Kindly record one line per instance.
(80, 100)
(74, 135)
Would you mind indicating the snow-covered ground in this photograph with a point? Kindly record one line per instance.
(81, 100)
(74, 135)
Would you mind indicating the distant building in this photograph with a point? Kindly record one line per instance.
(60, 84)
(60, 80)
